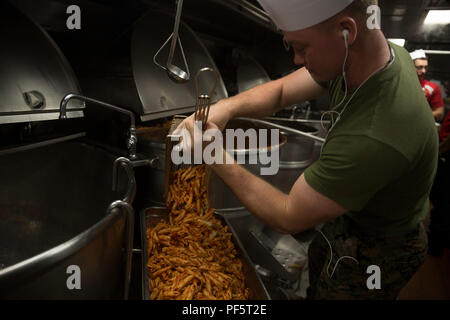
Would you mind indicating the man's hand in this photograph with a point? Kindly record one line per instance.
(438, 114)
(219, 114)
(193, 135)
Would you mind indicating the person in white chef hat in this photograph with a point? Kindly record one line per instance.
(370, 186)
(432, 90)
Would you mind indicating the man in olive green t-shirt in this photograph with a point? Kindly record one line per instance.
(371, 183)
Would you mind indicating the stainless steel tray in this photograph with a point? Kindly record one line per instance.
(151, 216)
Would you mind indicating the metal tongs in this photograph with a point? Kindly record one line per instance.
(204, 100)
(175, 73)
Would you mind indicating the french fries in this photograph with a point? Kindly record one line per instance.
(191, 256)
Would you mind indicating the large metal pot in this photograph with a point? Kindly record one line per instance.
(55, 213)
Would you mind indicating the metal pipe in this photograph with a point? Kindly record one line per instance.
(436, 52)
(298, 132)
(132, 141)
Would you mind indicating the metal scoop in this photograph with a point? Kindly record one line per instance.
(175, 73)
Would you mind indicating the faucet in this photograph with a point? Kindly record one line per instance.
(132, 140)
(295, 110)
(304, 109)
(308, 112)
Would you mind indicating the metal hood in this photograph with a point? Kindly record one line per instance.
(34, 74)
(160, 96)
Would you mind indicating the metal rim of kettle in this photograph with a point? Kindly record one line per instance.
(30, 267)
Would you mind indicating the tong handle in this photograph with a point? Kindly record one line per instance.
(202, 70)
(203, 102)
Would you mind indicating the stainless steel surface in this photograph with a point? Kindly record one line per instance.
(203, 102)
(175, 73)
(41, 144)
(152, 145)
(280, 258)
(151, 216)
(35, 74)
(132, 140)
(250, 73)
(54, 202)
(160, 96)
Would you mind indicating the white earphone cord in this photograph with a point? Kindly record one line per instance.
(331, 257)
(345, 95)
(331, 112)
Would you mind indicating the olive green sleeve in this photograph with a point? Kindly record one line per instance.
(352, 169)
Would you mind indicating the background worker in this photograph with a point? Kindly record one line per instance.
(431, 89)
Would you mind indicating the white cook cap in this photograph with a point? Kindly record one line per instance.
(292, 15)
(418, 54)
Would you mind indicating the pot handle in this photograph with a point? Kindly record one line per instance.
(129, 241)
(131, 190)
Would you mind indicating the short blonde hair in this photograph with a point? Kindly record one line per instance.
(359, 8)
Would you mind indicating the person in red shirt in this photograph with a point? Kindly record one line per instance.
(431, 89)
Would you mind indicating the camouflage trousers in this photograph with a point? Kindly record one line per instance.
(397, 257)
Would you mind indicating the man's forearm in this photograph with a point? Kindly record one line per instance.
(258, 102)
(270, 97)
(259, 197)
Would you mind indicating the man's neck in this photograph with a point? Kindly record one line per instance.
(366, 57)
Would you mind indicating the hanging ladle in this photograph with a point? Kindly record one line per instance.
(175, 73)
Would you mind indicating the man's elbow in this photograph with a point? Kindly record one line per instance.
(291, 227)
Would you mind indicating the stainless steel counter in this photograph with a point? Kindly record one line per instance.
(281, 260)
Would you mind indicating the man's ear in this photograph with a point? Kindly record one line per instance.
(348, 23)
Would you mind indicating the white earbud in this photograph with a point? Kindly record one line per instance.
(345, 33)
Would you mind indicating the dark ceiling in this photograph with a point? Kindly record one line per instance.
(222, 24)
(404, 19)
(226, 18)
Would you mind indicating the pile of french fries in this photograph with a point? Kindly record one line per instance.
(191, 256)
